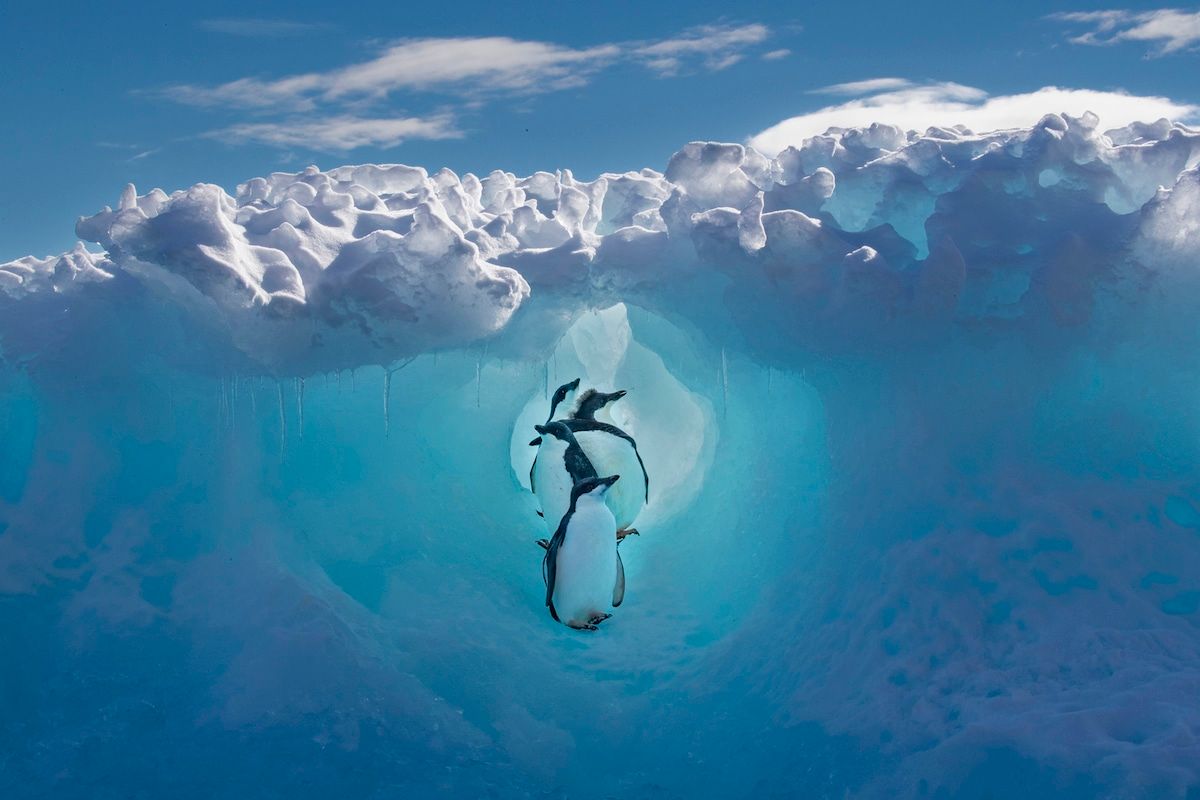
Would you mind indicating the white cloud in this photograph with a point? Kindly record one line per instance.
(474, 66)
(330, 110)
(775, 55)
(917, 107)
(466, 66)
(260, 28)
(338, 133)
(717, 46)
(869, 86)
(1171, 29)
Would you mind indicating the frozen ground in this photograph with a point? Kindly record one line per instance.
(922, 419)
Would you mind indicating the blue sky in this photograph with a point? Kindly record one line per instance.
(168, 94)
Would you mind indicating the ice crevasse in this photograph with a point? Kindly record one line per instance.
(921, 414)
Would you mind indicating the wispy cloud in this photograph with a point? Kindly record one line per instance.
(348, 107)
(338, 133)
(716, 46)
(1170, 29)
(475, 66)
(137, 151)
(869, 86)
(920, 106)
(775, 55)
(261, 28)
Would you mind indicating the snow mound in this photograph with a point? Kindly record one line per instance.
(856, 229)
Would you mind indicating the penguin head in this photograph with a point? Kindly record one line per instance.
(562, 395)
(596, 487)
(592, 401)
(556, 429)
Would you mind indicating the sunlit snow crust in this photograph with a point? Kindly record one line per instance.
(926, 415)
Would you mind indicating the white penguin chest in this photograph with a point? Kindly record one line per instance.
(586, 569)
(551, 481)
(612, 455)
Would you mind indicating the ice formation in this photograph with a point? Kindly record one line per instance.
(924, 408)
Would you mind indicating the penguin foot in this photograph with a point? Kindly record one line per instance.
(588, 627)
(596, 620)
(627, 532)
(543, 543)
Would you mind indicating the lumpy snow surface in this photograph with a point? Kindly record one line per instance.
(921, 414)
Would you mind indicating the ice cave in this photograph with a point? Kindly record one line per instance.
(920, 413)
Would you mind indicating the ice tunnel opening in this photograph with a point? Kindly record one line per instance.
(726, 491)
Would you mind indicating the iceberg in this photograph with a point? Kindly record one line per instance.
(921, 415)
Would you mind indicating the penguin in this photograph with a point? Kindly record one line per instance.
(562, 395)
(559, 465)
(582, 568)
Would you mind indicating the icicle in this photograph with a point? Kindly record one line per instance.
(478, 379)
(253, 404)
(221, 403)
(387, 396)
(554, 361)
(769, 371)
(300, 405)
(546, 380)
(724, 383)
(282, 419)
(353, 385)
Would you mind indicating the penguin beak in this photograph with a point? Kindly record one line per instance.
(536, 442)
(610, 480)
(617, 395)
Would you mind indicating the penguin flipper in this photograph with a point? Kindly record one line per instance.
(619, 586)
(645, 475)
(550, 564)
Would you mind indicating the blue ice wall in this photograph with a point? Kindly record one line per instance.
(924, 517)
(225, 607)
